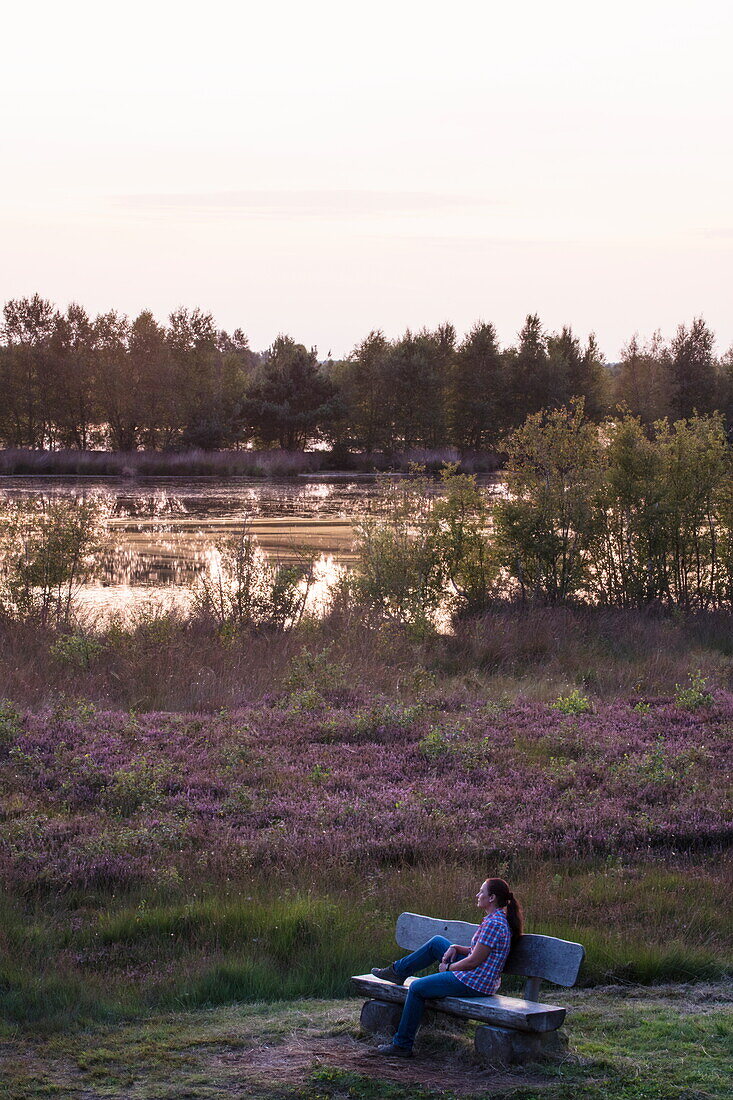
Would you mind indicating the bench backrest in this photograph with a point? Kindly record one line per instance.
(534, 957)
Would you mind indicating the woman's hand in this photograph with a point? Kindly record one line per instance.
(448, 958)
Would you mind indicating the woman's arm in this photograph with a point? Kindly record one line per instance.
(479, 954)
(454, 951)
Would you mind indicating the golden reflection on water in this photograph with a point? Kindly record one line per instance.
(163, 532)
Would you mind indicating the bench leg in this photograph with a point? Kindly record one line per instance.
(380, 1016)
(502, 1046)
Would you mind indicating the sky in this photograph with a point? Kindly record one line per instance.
(328, 168)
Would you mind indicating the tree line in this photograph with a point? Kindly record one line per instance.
(69, 380)
(610, 514)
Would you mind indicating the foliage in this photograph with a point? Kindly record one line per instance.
(616, 513)
(167, 859)
(693, 369)
(78, 650)
(573, 703)
(70, 380)
(604, 785)
(289, 399)
(434, 745)
(544, 527)
(479, 399)
(10, 724)
(246, 591)
(694, 694)
(312, 678)
(45, 554)
(399, 570)
(424, 551)
(470, 563)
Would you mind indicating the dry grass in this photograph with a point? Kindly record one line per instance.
(165, 661)
(534, 652)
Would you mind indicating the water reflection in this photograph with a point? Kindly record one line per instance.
(163, 531)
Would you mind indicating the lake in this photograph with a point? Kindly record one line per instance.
(163, 531)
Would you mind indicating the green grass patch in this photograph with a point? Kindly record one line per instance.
(81, 959)
(662, 1043)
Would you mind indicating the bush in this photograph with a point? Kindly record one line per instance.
(573, 703)
(77, 650)
(10, 724)
(246, 591)
(46, 554)
(694, 694)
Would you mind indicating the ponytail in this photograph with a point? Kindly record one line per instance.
(505, 900)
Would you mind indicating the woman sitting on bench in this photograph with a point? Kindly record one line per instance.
(473, 971)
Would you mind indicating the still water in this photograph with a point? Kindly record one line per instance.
(163, 531)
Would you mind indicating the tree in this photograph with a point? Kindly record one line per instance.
(576, 372)
(725, 382)
(644, 383)
(544, 528)
(693, 369)
(192, 340)
(531, 384)
(119, 381)
(477, 397)
(26, 364)
(73, 400)
(289, 399)
(149, 360)
(417, 379)
(367, 398)
(595, 380)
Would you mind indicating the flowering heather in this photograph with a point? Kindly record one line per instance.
(113, 800)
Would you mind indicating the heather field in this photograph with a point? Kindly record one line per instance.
(202, 834)
(160, 860)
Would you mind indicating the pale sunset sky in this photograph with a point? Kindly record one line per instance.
(326, 168)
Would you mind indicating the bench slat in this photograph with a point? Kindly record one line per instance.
(534, 956)
(557, 961)
(511, 1012)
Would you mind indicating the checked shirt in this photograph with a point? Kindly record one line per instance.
(494, 933)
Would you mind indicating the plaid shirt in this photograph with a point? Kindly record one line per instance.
(494, 933)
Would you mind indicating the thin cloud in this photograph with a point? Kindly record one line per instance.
(301, 203)
(720, 233)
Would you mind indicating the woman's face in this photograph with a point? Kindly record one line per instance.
(484, 898)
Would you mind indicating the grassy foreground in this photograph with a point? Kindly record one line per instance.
(163, 861)
(659, 1043)
(175, 879)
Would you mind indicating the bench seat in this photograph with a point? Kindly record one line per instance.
(510, 1012)
(511, 1029)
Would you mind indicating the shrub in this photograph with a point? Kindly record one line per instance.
(694, 694)
(10, 724)
(314, 670)
(136, 786)
(434, 745)
(573, 703)
(45, 555)
(544, 528)
(246, 591)
(372, 723)
(398, 570)
(77, 650)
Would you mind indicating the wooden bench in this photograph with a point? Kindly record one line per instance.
(512, 1029)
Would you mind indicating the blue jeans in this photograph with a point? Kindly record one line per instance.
(434, 985)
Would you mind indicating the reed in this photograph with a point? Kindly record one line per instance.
(231, 463)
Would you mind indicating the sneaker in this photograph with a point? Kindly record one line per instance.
(393, 1051)
(387, 974)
